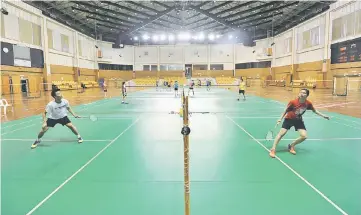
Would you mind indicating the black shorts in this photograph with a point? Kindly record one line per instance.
(241, 91)
(297, 123)
(176, 89)
(52, 122)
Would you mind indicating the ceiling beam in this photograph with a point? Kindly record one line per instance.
(202, 4)
(63, 18)
(152, 19)
(218, 6)
(116, 25)
(304, 15)
(275, 4)
(215, 18)
(128, 22)
(296, 19)
(266, 11)
(260, 18)
(234, 8)
(125, 8)
(143, 6)
(96, 7)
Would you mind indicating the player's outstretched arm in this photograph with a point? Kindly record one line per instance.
(44, 117)
(320, 114)
(72, 112)
(282, 116)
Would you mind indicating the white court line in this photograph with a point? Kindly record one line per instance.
(81, 168)
(27, 140)
(267, 117)
(18, 129)
(358, 128)
(292, 170)
(321, 139)
(334, 105)
(17, 124)
(348, 120)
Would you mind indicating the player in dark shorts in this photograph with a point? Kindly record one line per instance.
(105, 89)
(208, 85)
(57, 111)
(242, 89)
(124, 92)
(293, 118)
(191, 87)
(176, 86)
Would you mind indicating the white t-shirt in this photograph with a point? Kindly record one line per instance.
(57, 110)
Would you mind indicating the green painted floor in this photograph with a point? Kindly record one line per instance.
(131, 161)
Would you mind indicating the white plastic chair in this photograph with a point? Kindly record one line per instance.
(4, 104)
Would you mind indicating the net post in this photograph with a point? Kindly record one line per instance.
(185, 132)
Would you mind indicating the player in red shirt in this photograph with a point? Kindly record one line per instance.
(293, 117)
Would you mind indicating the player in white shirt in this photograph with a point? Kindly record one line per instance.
(57, 111)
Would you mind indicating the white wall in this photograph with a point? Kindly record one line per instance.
(283, 49)
(244, 54)
(19, 10)
(226, 54)
(56, 56)
(196, 54)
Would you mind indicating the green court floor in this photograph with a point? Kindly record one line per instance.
(131, 161)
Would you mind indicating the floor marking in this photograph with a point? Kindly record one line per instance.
(18, 129)
(268, 117)
(348, 120)
(292, 170)
(17, 124)
(334, 105)
(358, 128)
(81, 168)
(321, 139)
(60, 140)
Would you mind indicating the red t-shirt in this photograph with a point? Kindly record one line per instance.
(295, 109)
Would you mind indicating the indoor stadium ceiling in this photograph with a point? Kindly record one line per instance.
(126, 21)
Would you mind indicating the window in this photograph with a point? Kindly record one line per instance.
(216, 66)
(36, 34)
(50, 39)
(175, 67)
(358, 22)
(349, 21)
(154, 67)
(336, 28)
(287, 45)
(80, 52)
(306, 39)
(25, 31)
(346, 26)
(200, 67)
(315, 36)
(64, 43)
(146, 68)
(163, 67)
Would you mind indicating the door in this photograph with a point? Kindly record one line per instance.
(5, 85)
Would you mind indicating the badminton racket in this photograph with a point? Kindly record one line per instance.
(270, 134)
(91, 117)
